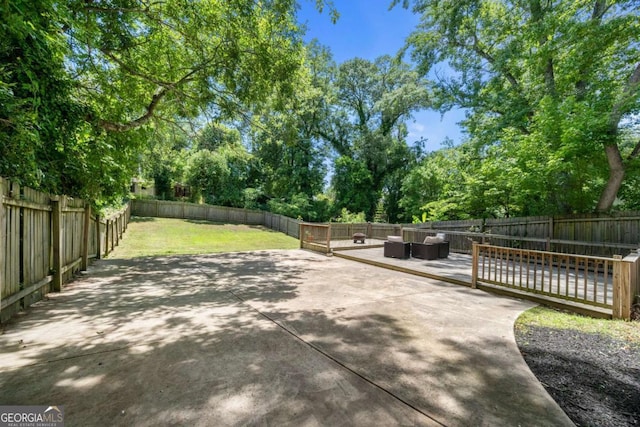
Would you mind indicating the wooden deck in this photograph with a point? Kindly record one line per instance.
(456, 269)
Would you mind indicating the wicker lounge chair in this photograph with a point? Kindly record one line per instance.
(394, 247)
(431, 248)
(425, 250)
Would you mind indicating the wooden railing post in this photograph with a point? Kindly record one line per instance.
(329, 238)
(622, 297)
(56, 232)
(85, 237)
(475, 250)
(301, 231)
(633, 259)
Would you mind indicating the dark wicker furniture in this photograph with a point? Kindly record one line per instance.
(397, 250)
(425, 250)
(430, 250)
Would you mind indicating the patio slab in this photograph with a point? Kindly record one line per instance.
(271, 338)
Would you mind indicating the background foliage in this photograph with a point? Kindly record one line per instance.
(225, 98)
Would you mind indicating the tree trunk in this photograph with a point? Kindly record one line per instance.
(616, 175)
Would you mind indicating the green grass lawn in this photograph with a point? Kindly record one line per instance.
(555, 319)
(166, 236)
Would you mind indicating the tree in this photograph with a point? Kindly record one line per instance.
(84, 84)
(160, 59)
(367, 127)
(220, 177)
(562, 75)
(41, 124)
(436, 190)
(215, 135)
(286, 143)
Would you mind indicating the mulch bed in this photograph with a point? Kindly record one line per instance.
(594, 378)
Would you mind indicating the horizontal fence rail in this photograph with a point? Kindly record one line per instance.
(345, 231)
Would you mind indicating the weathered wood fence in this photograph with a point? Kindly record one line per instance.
(45, 240)
(166, 209)
(585, 234)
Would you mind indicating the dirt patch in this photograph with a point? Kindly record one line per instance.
(594, 378)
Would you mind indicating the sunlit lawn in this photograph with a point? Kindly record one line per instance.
(556, 319)
(165, 236)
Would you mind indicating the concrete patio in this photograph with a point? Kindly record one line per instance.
(271, 338)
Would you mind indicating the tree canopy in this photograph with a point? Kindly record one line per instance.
(553, 84)
(88, 80)
(226, 97)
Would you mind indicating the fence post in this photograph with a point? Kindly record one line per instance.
(56, 232)
(3, 238)
(475, 249)
(622, 298)
(98, 238)
(106, 238)
(85, 237)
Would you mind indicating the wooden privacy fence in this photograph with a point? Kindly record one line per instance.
(44, 240)
(166, 209)
(584, 234)
(462, 241)
(608, 283)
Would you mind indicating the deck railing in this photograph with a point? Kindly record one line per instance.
(345, 231)
(596, 281)
(316, 237)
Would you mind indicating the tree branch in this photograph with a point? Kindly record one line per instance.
(123, 127)
(491, 60)
(636, 151)
(630, 91)
(150, 109)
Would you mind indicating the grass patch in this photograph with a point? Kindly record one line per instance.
(551, 318)
(168, 236)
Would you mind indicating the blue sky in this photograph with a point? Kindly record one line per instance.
(367, 29)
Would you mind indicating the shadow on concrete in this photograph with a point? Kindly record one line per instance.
(273, 337)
